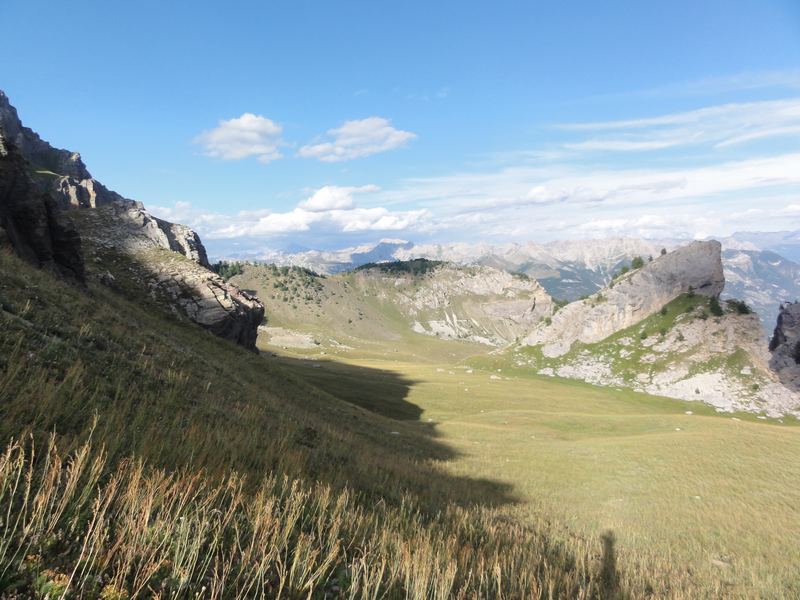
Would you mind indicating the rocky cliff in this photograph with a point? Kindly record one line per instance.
(785, 346)
(38, 179)
(682, 351)
(479, 304)
(633, 297)
(30, 221)
(64, 177)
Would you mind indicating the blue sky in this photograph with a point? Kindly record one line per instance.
(326, 124)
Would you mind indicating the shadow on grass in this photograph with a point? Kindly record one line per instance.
(164, 390)
(380, 391)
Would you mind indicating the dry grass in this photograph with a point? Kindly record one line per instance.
(173, 464)
(76, 526)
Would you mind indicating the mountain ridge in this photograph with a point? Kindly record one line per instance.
(47, 188)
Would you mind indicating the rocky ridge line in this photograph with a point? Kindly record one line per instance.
(633, 297)
(113, 222)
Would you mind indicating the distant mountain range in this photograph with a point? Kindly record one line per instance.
(759, 266)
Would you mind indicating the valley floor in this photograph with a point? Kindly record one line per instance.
(710, 498)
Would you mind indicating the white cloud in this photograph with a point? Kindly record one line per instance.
(330, 210)
(355, 139)
(331, 197)
(243, 137)
(721, 126)
(353, 220)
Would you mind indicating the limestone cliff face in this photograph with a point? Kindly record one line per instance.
(479, 304)
(207, 299)
(185, 284)
(31, 223)
(48, 178)
(785, 346)
(633, 297)
(64, 177)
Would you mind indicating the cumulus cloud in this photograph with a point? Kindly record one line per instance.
(330, 210)
(243, 137)
(331, 197)
(355, 139)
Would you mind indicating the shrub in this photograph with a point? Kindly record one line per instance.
(643, 335)
(560, 303)
(637, 262)
(690, 293)
(663, 331)
(663, 251)
(714, 307)
(740, 307)
(663, 311)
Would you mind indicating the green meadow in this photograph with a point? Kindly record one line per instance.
(711, 499)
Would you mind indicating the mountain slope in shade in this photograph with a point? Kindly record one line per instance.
(785, 243)
(763, 279)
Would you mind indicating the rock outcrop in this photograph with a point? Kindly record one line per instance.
(132, 228)
(30, 221)
(686, 354)
(207, 299)
(64, 177)
(48, 178)
(633, 297)
(186, 285)
(785, 346)
(479, 304)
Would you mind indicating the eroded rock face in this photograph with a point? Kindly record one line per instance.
(30, 221)
(785, 346)
(633, 297)
(479, 304)
(40, 154)
(64, 176)
(47, 177)
(82, 193)
(180, 281)
(207, 299)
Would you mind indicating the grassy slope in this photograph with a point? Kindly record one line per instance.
(374, 509)
(347, 309)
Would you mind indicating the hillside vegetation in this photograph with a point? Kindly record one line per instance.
(398, 307)
(151, 458)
